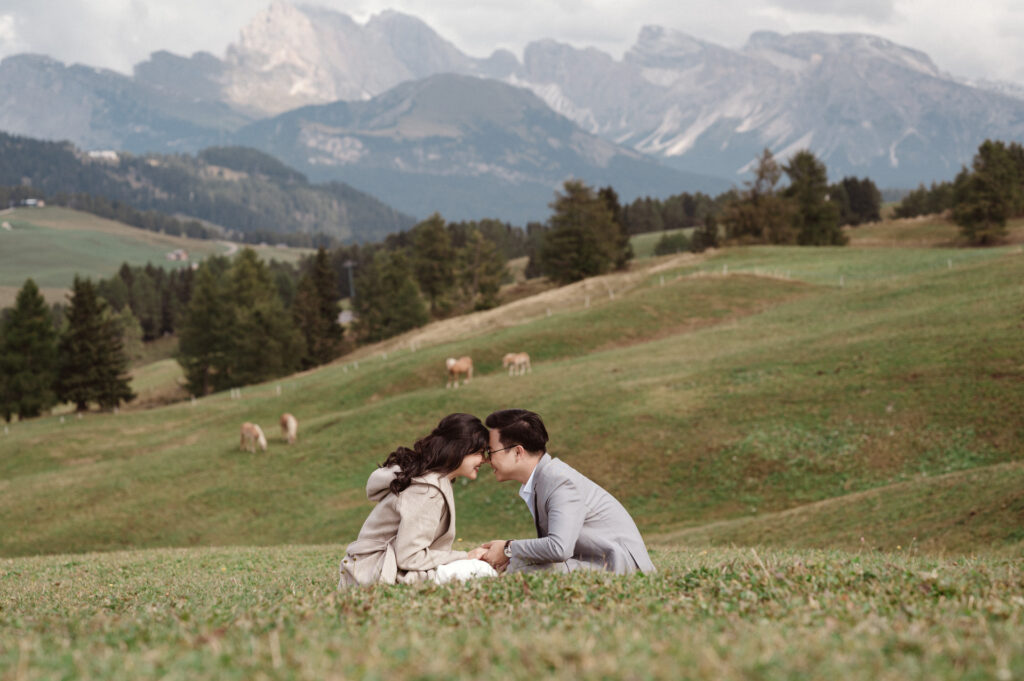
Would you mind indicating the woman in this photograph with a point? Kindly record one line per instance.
(410, 531)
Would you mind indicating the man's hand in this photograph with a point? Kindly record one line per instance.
(495, 554)
(478, 553)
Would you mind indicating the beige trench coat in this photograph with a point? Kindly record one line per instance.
(407, 536)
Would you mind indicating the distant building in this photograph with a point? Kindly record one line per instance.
(33, 203)
(103, 155)
(178, 254)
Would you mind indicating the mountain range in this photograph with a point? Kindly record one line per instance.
(394, 109)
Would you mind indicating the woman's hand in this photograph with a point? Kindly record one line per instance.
(478, 553)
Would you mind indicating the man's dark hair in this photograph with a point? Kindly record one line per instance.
(519, 427)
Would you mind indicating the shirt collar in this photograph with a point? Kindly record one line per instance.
(526, 491)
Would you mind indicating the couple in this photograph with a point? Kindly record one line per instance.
(409, 534)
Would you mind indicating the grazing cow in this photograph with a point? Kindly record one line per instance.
(252, 435)
(456, 367)
(289, 428)
(517, 363)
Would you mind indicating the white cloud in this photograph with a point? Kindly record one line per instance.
(872, 10)
(9, 33)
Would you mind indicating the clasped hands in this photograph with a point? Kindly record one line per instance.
(492, 552)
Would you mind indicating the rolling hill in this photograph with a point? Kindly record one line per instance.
(697, 389)
(53, 244)
(240, 191)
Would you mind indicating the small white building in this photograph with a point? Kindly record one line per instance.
(103, 155)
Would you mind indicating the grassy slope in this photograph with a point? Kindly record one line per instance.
(707, 614)
(52, 244)
(704, 398)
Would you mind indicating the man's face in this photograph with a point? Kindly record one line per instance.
(502, 460)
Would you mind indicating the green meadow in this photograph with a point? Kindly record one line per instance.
(53, 244)
(823, 447)
(723, 614)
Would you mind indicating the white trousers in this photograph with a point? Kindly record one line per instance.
(463, 570)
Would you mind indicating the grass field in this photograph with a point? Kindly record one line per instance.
(694, 397)
(823, 446)
(643, 244)
(53, 244)
(707, 614)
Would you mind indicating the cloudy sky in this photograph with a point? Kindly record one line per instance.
(976, 39)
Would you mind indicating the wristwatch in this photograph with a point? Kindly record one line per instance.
(508, 548)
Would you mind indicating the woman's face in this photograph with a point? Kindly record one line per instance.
(469, 466)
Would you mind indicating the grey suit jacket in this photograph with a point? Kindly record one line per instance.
(579, 525)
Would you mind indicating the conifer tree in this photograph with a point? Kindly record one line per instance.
(759, 214)
(623, 251)
(92, 365)
(815, 218)
(315, 311)
(28, 357)
(389, 302)
(266, 343)
(481, 269)
(984, 197)
(433, 261)
(583, 239)
(206, 336)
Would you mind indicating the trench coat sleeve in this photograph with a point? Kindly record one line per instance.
(420, 508)
(565, 515)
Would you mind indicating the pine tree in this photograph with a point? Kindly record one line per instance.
(759, 214)
(115, 383)
(266, 343)
(705, 236)
(623, 252)
(433, 261)
(583, 239)
(206, 332)
(481, 269)
(315, 311)
(28, 357)
(388, 302)
(92, 363)
(986, 196)
(816, 218)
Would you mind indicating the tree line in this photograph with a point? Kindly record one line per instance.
(82, 361)
(242, 320)
(248, 195)
(981, 198)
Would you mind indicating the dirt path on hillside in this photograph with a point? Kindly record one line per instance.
(589, 292)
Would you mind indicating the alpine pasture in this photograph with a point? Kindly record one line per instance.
(823, 447)
(52, 244)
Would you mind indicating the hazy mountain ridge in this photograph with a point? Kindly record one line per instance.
(238, 189)
(475, 147)
(865, 105)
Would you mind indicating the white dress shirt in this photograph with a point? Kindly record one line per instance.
(526, 492)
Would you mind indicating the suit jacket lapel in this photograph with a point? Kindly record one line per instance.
(537, 473)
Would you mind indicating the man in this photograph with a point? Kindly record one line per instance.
(579, 524)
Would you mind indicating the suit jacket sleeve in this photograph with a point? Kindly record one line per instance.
(565, 513)
(421, 508)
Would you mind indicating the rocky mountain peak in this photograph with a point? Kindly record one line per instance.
(798, 51)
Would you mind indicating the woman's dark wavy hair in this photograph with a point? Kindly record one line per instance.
(456, 437)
